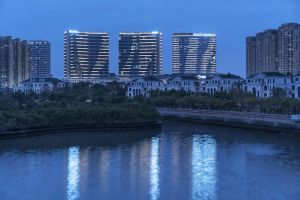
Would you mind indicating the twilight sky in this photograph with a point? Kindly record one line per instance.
(231, 20)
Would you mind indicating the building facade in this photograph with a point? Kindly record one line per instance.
(274, 51)
(264, 84)
(39, 85)
(194, 53)
(187, 83)
(40, 59)
(250, 57)
(262, 52)
(14, 61)
(140, 54)
(221, 83)
(144, 85)
(289, 48)
(86, 55)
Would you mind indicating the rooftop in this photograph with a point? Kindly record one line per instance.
(35, 80)
(225, 76)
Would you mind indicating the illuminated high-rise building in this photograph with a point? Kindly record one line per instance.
(140, 54)
(194, 53)
(86, 55)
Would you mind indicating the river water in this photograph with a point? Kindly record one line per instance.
(179, 161)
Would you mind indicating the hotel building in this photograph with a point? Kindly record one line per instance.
(86, 55)
(140, 54)
(194, 53)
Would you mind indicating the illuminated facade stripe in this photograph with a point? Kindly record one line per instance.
(194, 53)
(86, 55)
(140, 54)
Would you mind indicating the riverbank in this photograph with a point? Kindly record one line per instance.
(257, 121)
(90, 128)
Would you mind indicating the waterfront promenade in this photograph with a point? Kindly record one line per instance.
(271, 122)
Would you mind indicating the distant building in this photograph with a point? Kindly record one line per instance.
(186, 83)
(289, 48)
(262, 53)
(263, 84)
(40, 59)
(221, 83)
(297, 86)
(86, 55)
(140, 54)
(144, 85)
(102, 79)
(14, 61)
(194, 53)
(274, 51)
(39, 85)
(251, 68)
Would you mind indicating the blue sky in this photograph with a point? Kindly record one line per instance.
(232, 20)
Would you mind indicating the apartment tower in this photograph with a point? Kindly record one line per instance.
(40, 59)
(14, 61)
(274, 51)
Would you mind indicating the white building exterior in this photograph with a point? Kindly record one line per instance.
(39, 85)
(103, 80)
(263, 84)
(144, 85)
(185, 83)
(220, 83)
(296, 87)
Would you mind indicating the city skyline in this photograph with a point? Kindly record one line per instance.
(150, 17)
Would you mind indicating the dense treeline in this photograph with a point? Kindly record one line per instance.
(235, 100)
(81, 105)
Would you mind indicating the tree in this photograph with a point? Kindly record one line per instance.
(279, 93)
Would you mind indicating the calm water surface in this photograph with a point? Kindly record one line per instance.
(180, 161)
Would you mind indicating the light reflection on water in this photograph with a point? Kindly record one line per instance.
(73, 173)
(180, 162)
(154, 169)
(203, 167)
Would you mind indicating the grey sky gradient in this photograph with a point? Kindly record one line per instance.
(232, 20)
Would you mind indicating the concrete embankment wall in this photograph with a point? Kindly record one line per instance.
(259, 121)
(90, 128)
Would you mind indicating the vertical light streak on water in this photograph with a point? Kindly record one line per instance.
(73, 173)
(154, 170)
(203, 168)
